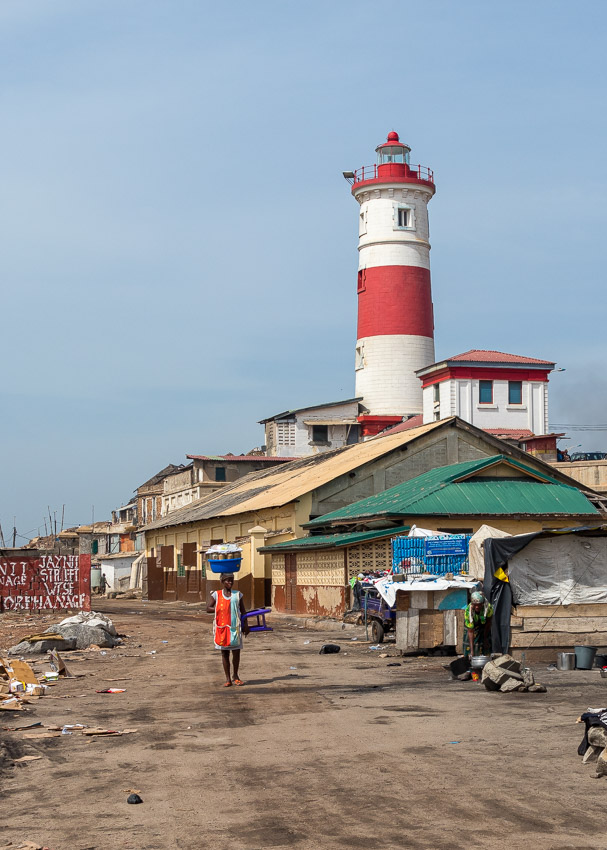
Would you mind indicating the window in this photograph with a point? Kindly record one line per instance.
(515, 392)
(220, 473)
(437, 392)
(285, 433)
(362, 224)
(353, 435)
(485, 392)
(403, 218)
(361, 284)
(320, 433)
(360, 357)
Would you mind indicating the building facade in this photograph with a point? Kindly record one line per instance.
(493, 390)
(312, 430)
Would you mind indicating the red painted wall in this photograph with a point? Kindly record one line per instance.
(45, 582)
(395, 300)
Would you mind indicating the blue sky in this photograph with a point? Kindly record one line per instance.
(179, 253)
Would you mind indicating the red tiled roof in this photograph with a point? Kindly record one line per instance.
(481, 356)
(256, 458)
(511, 433)
(414, 422)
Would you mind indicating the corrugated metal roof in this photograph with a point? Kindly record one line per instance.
(255, 458)
(453, 490)
(333, 541)
(309, 407)
(286, 482)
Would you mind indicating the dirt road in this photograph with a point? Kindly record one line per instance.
(331, 751)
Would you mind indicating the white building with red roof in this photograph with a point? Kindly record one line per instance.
(504, 394)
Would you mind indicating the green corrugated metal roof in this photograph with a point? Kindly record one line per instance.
(332, 541)
(445, 491)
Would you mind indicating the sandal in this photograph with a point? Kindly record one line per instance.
(238, 682)
(227, 684)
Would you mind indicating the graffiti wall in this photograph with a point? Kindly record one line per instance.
(45, 582)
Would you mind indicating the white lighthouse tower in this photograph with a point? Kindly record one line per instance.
(395, 317)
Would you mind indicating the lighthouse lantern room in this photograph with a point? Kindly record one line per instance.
(395, 335)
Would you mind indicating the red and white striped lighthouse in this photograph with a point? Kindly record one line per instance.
(395, 317)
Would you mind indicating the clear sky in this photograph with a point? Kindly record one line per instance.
(179, 245)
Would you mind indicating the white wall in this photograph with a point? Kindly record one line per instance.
(380, 243)
(459, 397)
(338, 434)
(117, 568)
(387, 382)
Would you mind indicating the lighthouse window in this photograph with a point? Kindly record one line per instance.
(403, 217)
(485, 392)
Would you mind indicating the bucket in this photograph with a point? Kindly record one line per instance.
(584, 657)
(229, 565)
(565, 661)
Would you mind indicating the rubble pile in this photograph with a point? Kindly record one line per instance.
(85, 629)
(505, 674)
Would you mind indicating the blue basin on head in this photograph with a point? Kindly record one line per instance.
(230, 565)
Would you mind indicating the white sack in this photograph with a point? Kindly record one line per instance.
(476, 551)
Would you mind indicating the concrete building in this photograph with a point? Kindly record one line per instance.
(395, 334)
(149, 495)
(493, 390)
(311, 430)
(207, 474)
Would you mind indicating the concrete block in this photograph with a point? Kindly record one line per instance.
(597, 736)
(511, 685)
(528, 677)
(493, 677)
(507, 662)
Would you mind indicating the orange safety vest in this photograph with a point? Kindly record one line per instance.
(226, 632)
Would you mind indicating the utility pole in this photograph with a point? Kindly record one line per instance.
(14, 531)
(2, 535)
(55, 515)
(62, 516)
(50, 521)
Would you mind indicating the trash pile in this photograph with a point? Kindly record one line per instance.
(507, 675)
(594, 743)
(19, 684)
(85, 629)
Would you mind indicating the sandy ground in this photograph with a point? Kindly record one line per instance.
(331, 751)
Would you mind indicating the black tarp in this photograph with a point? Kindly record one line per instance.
(498, 551)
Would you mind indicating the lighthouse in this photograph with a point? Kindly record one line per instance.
(395, 334)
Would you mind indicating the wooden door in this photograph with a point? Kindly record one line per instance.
(290, 581)
(155, 579)
(191, 590)
(167, 562)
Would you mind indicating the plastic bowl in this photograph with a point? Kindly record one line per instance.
(229, 565)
